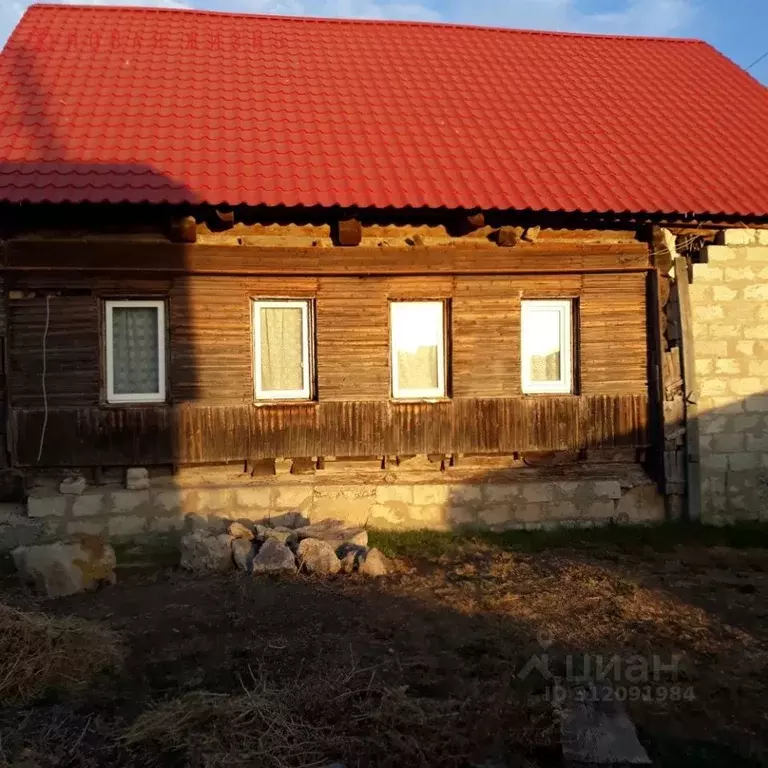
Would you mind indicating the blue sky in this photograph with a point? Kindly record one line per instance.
(739, 28)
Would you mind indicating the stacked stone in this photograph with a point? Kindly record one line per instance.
(325, 548)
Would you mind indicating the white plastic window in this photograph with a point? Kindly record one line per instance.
(547, 347)
(418, 349)
(135, 351)
(281, 350)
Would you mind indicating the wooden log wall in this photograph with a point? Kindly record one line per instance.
(211, 415)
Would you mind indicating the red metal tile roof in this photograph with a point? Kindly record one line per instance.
(123, 104)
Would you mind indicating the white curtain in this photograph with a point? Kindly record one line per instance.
(544, 345)
(135, 350)
(281, 349)
(416, 333)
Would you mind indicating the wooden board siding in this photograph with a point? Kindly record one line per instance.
(210, 361)
(198, 433)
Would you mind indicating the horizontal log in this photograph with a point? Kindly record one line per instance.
(162, 258)
(191, 433)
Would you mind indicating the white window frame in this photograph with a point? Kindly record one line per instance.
(136, 397)
(400, 393)
(305, 393)
(564, 385)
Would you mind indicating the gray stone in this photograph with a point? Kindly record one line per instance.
(136, 479)
(273, 557)
(278, 533)
(73, 485)
(240, 531)
(243, 553)
(334, 532)
(317, 556)
(598, 732)
(374, 564)
(201, 551)
(60, 569)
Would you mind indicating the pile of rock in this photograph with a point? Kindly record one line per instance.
(327, 548)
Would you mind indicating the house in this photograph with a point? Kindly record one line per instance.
(410, 274)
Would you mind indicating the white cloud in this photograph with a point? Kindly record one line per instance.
(634, 17)
(649, 17)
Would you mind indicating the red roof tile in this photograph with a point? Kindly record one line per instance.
(122, 104)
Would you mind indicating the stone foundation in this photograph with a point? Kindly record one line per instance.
(437, 500)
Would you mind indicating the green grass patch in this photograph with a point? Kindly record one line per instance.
(664, 537)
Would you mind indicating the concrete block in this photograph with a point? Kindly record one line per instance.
(559, 510)
(606, 489)
(89, 504)
(717, 254)
(499, 493)
(734, 274)
(73, 485)
(166, 524)
(537, 493)
(389, 493)
(759, 291)
(136, 479)
(722, 293)
(727, 443)
(601, 510)
(739, 236)
(728, 365)
(757, 331)
(756, 404)
(457, 516)
(254, 496)
(124, 501)
(762, 238)
(739, 462)
(710, 348)
(214, 499)
(86, 527)
(129, 525)
(47, 505)
(466, 495)
(294, 497)
(499, 515)
(432, 494)
(349, 510)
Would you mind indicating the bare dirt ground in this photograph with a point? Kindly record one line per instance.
(421, 668)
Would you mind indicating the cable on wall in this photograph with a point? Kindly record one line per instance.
(45, 370)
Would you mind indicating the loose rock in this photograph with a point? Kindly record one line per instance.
(240, 531)
(137, 479)
(243, 554)
(279, 533)
(201, 551)
(316, 556)
(334, 532)
(73, 485)
(273, 557)
(350, 555)
(63, 569)
(374, 564)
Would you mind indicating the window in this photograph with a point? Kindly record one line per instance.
(281, 350)
(546, 346)
(135, 351)
(418, 349)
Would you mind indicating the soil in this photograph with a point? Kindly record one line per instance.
(450, 635)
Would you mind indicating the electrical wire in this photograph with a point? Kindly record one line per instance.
(757, 61)
(45, 370)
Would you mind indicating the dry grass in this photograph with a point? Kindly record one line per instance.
(325, 715)
(39, 653)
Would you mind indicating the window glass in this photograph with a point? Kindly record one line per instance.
(282, 349)
(417, 349)
(546, 346)
(135, 344)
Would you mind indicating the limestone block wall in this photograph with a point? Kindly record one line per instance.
(437, 501)
(729, 298)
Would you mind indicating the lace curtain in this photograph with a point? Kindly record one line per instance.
(281, 349)
(135, 344)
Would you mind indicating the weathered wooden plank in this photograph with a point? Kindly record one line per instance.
(72, 256)
(692, 449)
(91, 436)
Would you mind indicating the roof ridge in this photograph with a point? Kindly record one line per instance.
(369, 22)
